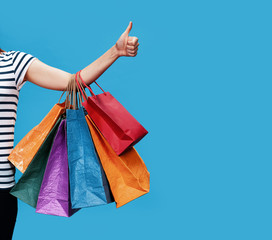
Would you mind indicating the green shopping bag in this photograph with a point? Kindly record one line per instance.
(28, 187)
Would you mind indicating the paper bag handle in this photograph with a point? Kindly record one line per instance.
(89, 86)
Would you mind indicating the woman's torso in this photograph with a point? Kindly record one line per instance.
(9, 96)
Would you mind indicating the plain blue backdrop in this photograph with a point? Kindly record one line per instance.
(200, 84)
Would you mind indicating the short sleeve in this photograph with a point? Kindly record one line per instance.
(21, 62)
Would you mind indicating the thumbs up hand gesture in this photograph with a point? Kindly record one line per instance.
(126, 45)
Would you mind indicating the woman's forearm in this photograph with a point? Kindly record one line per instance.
(93, 71)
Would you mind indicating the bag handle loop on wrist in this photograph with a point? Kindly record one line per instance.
(81, 88)
(89, 86)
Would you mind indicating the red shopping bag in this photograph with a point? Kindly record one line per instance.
(116, 124)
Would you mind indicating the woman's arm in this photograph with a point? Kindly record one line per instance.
(53, 78)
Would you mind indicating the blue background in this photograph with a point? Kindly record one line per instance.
(200, 84)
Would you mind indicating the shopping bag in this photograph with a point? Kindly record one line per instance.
(106, 185)
(54, 195)
(116, 124)
(87, 187)
(25, 150)
(127, 174)
(28, 187)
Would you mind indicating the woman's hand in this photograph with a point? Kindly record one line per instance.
(126, 45)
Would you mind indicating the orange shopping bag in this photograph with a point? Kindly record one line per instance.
(25, 150)
(127, 174)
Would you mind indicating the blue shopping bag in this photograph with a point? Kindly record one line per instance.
(88, 183)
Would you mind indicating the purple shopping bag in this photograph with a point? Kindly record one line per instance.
(54, 195)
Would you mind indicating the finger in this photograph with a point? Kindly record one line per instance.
(130, 47)
(132, 40)
(128, 28)
(132, 51)
(132, 54)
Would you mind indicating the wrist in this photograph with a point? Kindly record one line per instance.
(115, 53)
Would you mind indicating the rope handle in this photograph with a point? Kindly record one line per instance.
(89, 86)
(72, 88)
(71, 91)
(80, 88)
(78, 85)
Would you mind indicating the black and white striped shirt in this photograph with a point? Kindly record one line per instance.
(13, 67)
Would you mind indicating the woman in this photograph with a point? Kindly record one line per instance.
(15, 69)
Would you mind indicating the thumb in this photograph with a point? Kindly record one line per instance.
(128, 28)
